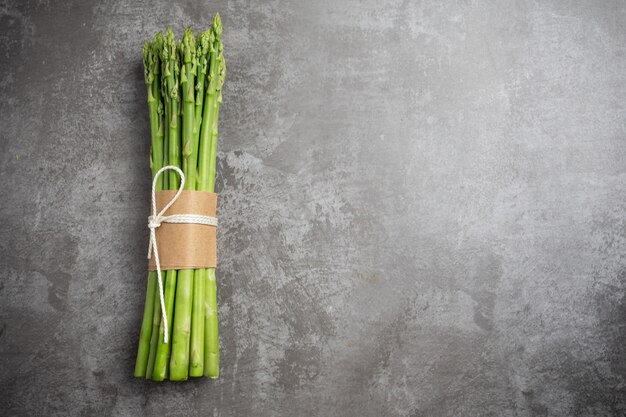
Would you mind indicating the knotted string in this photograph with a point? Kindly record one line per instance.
(155, 220)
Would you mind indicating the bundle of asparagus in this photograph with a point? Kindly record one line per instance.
(184, 81)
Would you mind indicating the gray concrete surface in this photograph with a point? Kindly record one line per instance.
(423, 208)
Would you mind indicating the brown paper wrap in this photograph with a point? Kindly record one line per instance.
(185, 245)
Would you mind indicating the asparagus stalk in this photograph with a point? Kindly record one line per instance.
(154, 339)
(203, 42)
(161, 360)
(155, 104)
(208, 142)
(212, 333)
(171, 62)
(211, 320)
(211, 330)
(173, 83)
(166, 145)
(214, 121)
(179, 363)
(167, 117)
(156, 46)
(151, 76)
(206, 131)
(196, 352)
(187, 77)
(146, 328)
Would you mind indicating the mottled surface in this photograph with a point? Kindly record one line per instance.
(423, 208)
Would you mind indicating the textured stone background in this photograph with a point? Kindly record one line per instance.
(422, 208)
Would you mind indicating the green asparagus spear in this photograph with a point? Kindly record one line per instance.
(170, 58)
(214, 120)
(179, 362)
(196, 351)
(217, 73)
(154, 339)
(161, 360)
(146, 328)
(155, 104)
(152, 79)
(206, 131)
(211, 331)
(173, 83)
(203, 41)
(156, 46)
(187, 77)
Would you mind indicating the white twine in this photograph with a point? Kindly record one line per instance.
(155, 221)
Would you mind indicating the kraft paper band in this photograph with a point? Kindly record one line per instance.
(186, 245)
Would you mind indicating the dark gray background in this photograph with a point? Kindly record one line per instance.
(422, 208)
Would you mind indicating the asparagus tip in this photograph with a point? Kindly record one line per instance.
(217, 25)
(158, 37)
(188, 46)
(204, 38)
(169, 36)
